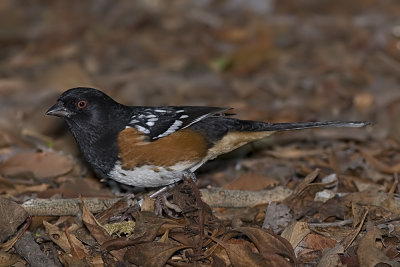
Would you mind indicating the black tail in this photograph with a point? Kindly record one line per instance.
(306, 125)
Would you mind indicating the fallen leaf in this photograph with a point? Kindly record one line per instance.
(273, 248)
(379, 165)
(252, 181)
(97, 230)
(78, 250)
(45, 164)
(295, 232)
(368, 254)
(364, 101)
(318, 242)
(242, 255)
(330, 257)
(12, 216)
(7, 259)
(68, 260)
(57, 236)
(95, 261)
(293, 153)
(152, 254)
(94, 227)
(277, 217)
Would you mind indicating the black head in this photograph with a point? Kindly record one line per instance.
(95, 121)
(84, 106)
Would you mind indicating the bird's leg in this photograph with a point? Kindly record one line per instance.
(162, 195)
(186, 174)
(162, 190)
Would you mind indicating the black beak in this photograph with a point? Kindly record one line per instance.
(59, 110)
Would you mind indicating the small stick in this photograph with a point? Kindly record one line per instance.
(214, 197)
(331, 224)
(355, 233)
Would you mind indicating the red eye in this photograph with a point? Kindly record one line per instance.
(82, 104)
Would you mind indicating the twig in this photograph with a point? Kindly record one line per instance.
(27, 248)
(331, 224)
(222, 198)
(215, 197)
(394, 185)
(355, 233)
(65, 207)
(10, 243)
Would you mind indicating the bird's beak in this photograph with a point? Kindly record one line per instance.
(59, 110)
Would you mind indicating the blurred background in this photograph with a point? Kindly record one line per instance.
(271, 60)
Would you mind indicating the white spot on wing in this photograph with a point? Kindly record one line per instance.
(197, 120)
(180, 111)
(171, 129)
(142, 129)
(160, 110)
(153, 119)
(150, 123)
(134, 121)
(183, 117)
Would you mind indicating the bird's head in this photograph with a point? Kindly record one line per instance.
(84, 106)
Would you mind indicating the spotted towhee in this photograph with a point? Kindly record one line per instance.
(157, 146)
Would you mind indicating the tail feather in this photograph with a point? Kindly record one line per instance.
(306, 125)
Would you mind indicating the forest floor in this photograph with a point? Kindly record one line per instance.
(322, 197)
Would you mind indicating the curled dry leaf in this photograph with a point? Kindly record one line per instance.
(45, 164)
(296, 232)
(152, 254)
(330, 256)
(97, 231)
(94, 227)
(368, 254)
(379, 165)
(273, 249)
(277, 217)
(67, 241)
(57, 236)
(7, 259)
(12, 216)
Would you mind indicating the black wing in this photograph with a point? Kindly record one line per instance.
(158, 122)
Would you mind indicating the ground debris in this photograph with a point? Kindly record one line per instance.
(332, 195)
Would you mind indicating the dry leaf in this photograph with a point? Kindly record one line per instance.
(68, 260)
(57, 236)
(252, 181)
(97, 231)
(44, 164)
(242, 255)
(368, 254)
(67, 241)
(275, 250)
(95, 228)
(379, 165)
(295, 232)
(12, 216)
(277, 217)
(7, 259)
(294, 153)
(330, 257)
(78, 250)
(318, 242)
(152, 254)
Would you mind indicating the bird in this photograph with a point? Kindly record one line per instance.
(144, 146)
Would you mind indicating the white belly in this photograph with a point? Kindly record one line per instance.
(149, 176)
